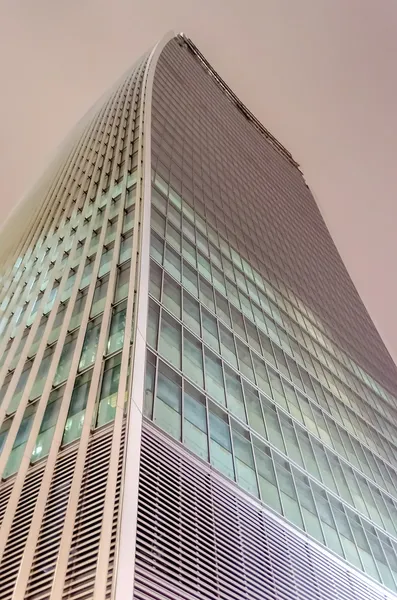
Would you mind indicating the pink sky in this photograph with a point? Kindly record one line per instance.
(320, 74)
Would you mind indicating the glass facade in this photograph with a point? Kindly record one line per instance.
(176, 281)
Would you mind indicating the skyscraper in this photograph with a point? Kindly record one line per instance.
(194, 401)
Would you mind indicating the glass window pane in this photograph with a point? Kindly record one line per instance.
(149, 385)
(288, 493)
(98, 303)
(90, 345)
(117, 328)
(222, 309)
(191, 313)
(172, 263)
(245, 361)
(189, 252)
(228, 349)
(156, 248)
(155, 280)
(78, 402)
(170, 339)
(210, 330)
(261, 375)
(273, 427)
(65, 360)
(234, 394)
(123, 281)
(214, 377)
(267, 479)
(106, 260)
(206, 294)
(193, 359)
(56, 326)
(47, 428)
(109, 390)
(167, 411)
(173, 236)
(291, 441)
(246, 476)
(308, 507)
(220, 444)
(18, 448)
(195, 423)
(277, 388)
(255, 416)
(189, 279)
(19, 388)
(75, 319)
(42, 374)
(172, 296)
(125, 248)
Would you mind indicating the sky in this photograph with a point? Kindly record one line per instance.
(319, 74)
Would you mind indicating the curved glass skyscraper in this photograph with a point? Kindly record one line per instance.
(194, 402)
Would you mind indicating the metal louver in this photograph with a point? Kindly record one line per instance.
(80, 576)
(198, 537)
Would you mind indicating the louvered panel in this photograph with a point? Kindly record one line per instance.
(83, 556)
(19, 532)
(198, 537)
(4, 497)
(84, 551)
(44, 561)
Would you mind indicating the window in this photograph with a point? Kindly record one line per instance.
(214, 377)
(48, 424)
(109, 390)
(63, 368)
(267, 478)
(172, 263)
(167, 412)
(308, 507)
(206, 294)
(222, 309)
(245, 467)
(289, 498)
(172, 296)
(191, 313)
(42, 374)
(193, 359)
(156, 248)
(117, 328)
(273, 425)
(123, 282)
(245, 362)
(99, 300)
(19, 389)
(234, 394)
(228, 349)
(195, 422)
(78, 402)
(189, 279)
(220, 443)
(155, 280)
(18, 448)
(210, 330)
(170, 339)
(149, 385)
(90, 345)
